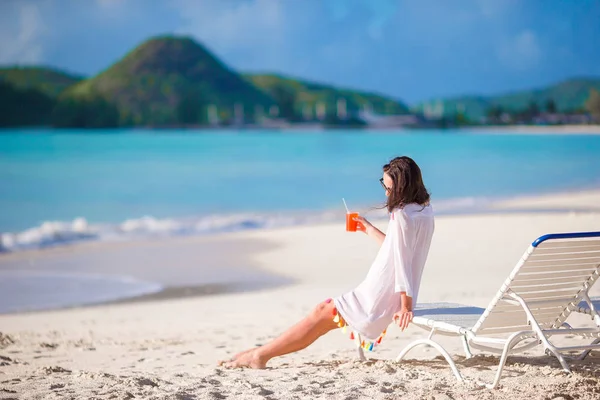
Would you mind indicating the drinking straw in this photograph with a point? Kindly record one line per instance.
(345, 205)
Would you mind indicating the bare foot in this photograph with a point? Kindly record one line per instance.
(248, 359)
(238, 355)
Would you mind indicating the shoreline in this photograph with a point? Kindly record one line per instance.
(316, 128)
(164, 294)
(181, 266)
(100, 233)
(237, 273)
(537, 129)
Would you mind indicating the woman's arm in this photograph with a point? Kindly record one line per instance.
(405, 302)
(405, 315)
(369, 229)
(403, 229)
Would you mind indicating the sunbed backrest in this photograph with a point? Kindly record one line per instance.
(551, 277)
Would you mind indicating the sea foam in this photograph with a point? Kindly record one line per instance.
(54, 233)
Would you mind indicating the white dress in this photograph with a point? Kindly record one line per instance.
(398, 267)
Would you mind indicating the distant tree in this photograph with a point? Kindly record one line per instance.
(494, 113)
(286, 101)
(127, 119)
(333, 121)
(192, 109)
(225, 116)
(85, 112)
(551, 106)
(460, 118)
(533, 110)
(23, 107)
(592, 105)
(528, 114)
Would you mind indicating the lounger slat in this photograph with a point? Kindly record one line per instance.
(548, 317)
(581, 257)
(559, 263)
(540, 310)
(585, 257)
(541, 276)
(567, 251)
(500, 330)
(544, 324)
(566, 244)
(556, 261)
(509, 307)
(544, 291)
(541, 314)
(499, 315)
(504, 319)
(554, 305)
(584, 272)
(561, 301)
(502, 306)
(525, 283)
(546, 296)
(547, 285)
(512, 319)
(560, 267)
(557, 270)
(535, 311)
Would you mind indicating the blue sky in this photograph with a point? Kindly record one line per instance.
(410, 49)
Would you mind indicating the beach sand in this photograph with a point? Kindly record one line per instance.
(538, 129)
(166, 347)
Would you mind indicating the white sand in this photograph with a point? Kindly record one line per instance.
(541, 129)
(169, 348)
(585, 200)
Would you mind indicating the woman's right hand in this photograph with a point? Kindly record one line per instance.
(403, 318)
(363, 225)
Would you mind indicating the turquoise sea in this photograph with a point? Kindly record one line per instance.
(65, 186)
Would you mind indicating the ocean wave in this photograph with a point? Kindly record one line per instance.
(56, 233)
(47, 234)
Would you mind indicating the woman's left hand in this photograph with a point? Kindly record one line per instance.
(403, 318)
(363, 225)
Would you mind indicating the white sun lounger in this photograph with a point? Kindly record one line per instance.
(548, 284)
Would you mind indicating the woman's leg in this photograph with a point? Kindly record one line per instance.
(298, 337)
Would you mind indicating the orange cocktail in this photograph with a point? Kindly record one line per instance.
(351, 224)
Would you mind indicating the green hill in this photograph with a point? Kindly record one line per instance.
(569, 95)
(49, 81)
(310, 93)
(28, 94)
(167, 80)
(24, 107)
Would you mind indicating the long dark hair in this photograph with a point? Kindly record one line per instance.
(408, 183)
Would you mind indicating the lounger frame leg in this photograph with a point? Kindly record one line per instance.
(435, 345)
(595, 316)
(559, 357)
(585, 353)
(540, 333)
(466, 346)
(511, 342)
(594, 313)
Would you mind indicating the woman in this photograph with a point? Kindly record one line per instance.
(390, 289)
